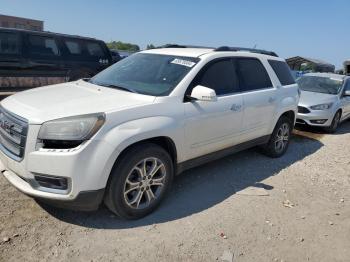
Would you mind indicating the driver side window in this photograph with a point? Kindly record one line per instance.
(220, 76)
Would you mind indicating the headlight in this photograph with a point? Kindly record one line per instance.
(322, 106)
(77, 128)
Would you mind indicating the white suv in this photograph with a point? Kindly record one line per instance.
(121, 136)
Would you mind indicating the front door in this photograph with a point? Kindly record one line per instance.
(211, 126)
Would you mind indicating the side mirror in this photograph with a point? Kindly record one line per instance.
(203, 93)
(347, 93)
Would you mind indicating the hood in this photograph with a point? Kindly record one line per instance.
(308, 99)
(70, 99)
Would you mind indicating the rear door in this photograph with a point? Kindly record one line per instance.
(259, 98)
(43, 60)
(74, 61)
(211, 126)
(85, 58)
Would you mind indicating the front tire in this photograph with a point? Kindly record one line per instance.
(335, 123)
(139, 181)
(279, 140)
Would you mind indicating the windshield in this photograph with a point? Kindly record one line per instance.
(326, 85)
(149, 74)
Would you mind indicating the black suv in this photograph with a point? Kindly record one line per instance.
(30, 59)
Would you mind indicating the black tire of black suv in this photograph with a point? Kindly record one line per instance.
(270, 149)
(335, 123)
(125, 167)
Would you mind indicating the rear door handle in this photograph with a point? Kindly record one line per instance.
(236, 108)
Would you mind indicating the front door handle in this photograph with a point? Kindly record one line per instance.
(272, 99)
(236, 108)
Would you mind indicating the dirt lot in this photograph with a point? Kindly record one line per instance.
(245, 207)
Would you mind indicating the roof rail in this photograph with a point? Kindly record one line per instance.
(252, 50)
(183, 46)
(47, 32)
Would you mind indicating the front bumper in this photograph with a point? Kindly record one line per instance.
(86, 169)
(84, 201)
(315, 115)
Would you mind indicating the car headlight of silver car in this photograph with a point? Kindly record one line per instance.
(77, 128)
(321, 106)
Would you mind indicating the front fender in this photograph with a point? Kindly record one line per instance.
(137, 130)
(122, 136)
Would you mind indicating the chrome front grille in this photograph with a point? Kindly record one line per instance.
(13, 134)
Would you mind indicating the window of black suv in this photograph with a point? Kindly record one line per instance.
(9, 43)
(42, 45)
(74, 47)
(95, 49)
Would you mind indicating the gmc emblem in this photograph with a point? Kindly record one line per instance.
(7, 126)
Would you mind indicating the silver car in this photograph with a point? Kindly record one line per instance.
(324, 100)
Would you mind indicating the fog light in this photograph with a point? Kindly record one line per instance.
(318, 121)
(60, 183)
(300, 121)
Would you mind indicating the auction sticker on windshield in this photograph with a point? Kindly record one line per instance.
(183, 62)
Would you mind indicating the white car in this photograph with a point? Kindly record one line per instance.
(121, 136)
(324, 100)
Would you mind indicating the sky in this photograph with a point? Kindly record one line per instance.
(316, 29)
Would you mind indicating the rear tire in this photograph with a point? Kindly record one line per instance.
(335, 123)
(279, 140)
(139, 181)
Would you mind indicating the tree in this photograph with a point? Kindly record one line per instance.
(123, 46)
(150, 46)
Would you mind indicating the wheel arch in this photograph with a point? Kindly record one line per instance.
(341, 111)
(163, 131)
(164, 142)
(289, 113)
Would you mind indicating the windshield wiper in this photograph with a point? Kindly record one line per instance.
(116, 87)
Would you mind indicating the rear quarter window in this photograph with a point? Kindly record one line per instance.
(95, 49)
(9, 43)
(74, 47)
(283, 72)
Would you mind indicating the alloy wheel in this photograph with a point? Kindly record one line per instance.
(282, 137)
(144, 183)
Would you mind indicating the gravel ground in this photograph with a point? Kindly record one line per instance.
(245, 207)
